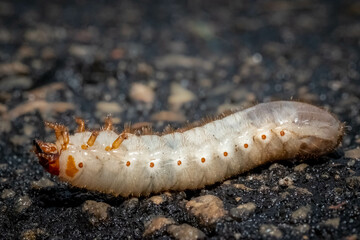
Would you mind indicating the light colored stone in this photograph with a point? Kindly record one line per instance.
(158, 199)
(42, 183)
(168, 116)
(108, 107)
(286, 181)
(300, 190)
(142, 92)
(98, 211)
(15, 82)
(301, 229)
(242, 187)
(353, 181)
(301, 213)
(156, 224)
(179, 95)
(243, 211)
(81, 51)
(182, 61)
(269, 230)
(40, 105)
(7, 193)
(14, 68)
(132, 202)
(19, 140)
(32, 234)
(208, 209)
(145, 69)
(353, 153)
(301, 167)
(332, 222)
(185, 232)
(23, 203)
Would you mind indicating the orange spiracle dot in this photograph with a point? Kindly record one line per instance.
(127, 163)
(84, 146)
(263, 136)
(152, 164)
(80, 165)
(282, 133)
(225, 154)
(179, 162)
(246, 145)
(108, 148)
(202, 160)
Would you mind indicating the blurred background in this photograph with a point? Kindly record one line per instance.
(171, 62)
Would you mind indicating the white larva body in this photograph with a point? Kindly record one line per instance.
(202, 155)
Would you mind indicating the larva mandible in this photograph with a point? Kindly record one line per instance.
(128, 164)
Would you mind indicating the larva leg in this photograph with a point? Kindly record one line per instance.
(57, 128)
(65, 135)
(108, 124)
(117, 142)
(81, 124)
(91, 140)
(60, 131)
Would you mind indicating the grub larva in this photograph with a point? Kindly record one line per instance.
(131, 164)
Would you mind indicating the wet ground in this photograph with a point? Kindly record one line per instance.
(175, 62)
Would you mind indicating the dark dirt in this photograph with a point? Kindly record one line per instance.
(164, 62)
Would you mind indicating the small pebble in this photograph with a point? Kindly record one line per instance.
(23, 203)
(141, 92)
(353, 181)
(179, 96)
(300, 190)
(13, 68)
(42, 183)
(108, 107)
(181, 61)
(98, 211)
(286, 181)
(132, 202)
(243, 211)
(158, 199)
(15, 82)
(276, 166)
(301, 229)
(333, 222)
(156, 224)
(269, 230)
(32, 234)
(7, 193)
(351, 162)
(301, 213)
(19, 140)
(81, 51)
(144, 69)
(3, 166)
(353, 153)
(242, 187)
(168, 116)
(301, 167)
(185, 232)
(208, 209)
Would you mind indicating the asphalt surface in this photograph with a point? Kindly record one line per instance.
(176, 62)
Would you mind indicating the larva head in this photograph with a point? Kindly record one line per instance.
(318, 130)
(49, 153)
(48, 156)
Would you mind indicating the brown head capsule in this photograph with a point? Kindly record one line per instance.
(48, 156)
